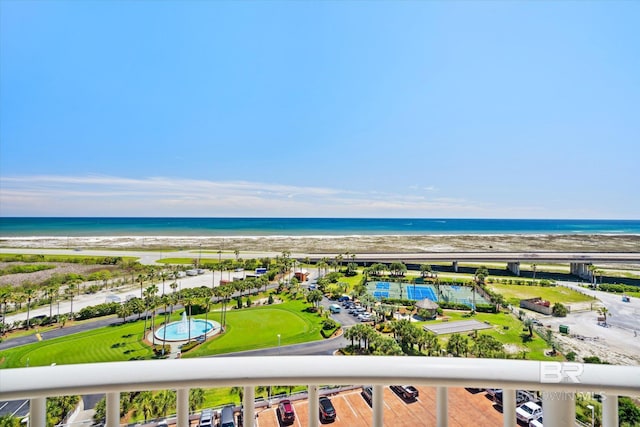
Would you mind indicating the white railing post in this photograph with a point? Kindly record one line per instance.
(559, 408)
(509, 408)
(378, 406)
(38, 412)
(248, 406)
(182, 407)
(113, 409)
(609, 410)
(314, 420)
(442, 406)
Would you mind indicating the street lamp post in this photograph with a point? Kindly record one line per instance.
(593, 421)
(278, 343)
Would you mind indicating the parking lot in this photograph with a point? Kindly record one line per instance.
(464, 408)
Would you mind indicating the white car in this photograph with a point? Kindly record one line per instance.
(536, 423)
(528, 411)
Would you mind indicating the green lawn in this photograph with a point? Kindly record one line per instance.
(253, 328)
(514, 293)
(107, 344)
(249, 328)
(505, 328)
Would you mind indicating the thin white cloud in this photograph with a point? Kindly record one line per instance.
(55, 195)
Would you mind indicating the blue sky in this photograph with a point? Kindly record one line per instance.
(325, 109)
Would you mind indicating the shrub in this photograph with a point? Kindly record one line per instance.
(559, 310)
(571, 356)
(270, 300)
(188, 346)
(157, 349)
(486, 308)
(329, 324)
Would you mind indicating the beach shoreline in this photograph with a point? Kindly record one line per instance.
(359, 244)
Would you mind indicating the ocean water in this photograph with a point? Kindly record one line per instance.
(82, 227)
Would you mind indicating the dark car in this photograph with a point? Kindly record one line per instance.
(406, 392)
(285, 412)
(367, 394)
(522, 396)
(327, 411)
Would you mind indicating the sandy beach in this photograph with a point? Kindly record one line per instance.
(340, 244)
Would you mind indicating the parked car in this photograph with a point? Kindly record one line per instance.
(406, 392)
(536, 423)
(327, 411)
(491, 393)
(227, 417)
(522, 396)
(206, 418)
(528, 411)
(285, 412)
(343, 298)
(162, 423)
(367, 394)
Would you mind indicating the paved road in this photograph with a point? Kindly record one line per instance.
(147, 257)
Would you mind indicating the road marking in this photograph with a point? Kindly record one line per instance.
(16, 411)
(350, 407)
(3, 405)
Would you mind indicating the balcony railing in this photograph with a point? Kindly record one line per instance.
(558, 382)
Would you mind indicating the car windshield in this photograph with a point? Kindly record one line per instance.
(326, 405)
(527, 409)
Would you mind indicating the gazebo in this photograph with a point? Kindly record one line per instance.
(429, 306)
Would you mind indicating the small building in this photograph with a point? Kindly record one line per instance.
(537, 304)
(302, 276)
(428, 306)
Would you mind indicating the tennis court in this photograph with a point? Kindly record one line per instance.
(421, 292)
(447, 293)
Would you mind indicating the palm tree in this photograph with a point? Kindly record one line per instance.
(144, 404)
(52, 292)
(123, 310)
(30, 293)
(350, 334)
(163, 402)
(458, 345)
(528, 323)
(481, 273)
(152, 292)
(486, 346)
(163, 276)
(70, 292)
(166, 300)
(425, 270)
(207, 304)
(188, 301)
(196, 398)
(141, 280)
(5, 297)
(314, 297)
